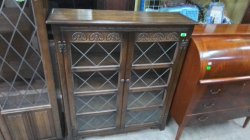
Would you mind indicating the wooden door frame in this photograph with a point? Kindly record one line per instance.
(162, 116)
(65, 71)
(40, 16)
(62, 80)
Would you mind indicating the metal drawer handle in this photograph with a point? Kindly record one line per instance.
(209, 105)
(127, 80)
(215, 92)
(122, 80)
(203, 119)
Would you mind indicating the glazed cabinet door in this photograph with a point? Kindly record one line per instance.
(150, 66)
(26, 77)
(95, 67)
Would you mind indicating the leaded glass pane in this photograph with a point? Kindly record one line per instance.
(96, 122)
(95, 54)
(142, 117)
(154, 52)
(149, 78)
(95, 81)
(145, 99)
(22, 81)
(95, 103)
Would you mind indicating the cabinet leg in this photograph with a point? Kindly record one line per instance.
(179, 132)
(246, 122)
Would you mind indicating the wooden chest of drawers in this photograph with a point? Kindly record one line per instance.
(214, 83)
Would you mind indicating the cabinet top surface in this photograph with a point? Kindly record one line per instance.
(221, 29)
(110, 17)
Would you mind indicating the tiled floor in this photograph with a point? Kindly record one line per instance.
(228, 130)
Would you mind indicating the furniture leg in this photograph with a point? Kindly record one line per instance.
(179, 132)
(246, 122)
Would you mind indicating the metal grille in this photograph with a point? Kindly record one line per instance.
(151, 53)
(22, 82)
(96, 122)
(145, 99)
(95, 103)
(142, 117)
(95, 81)
(156, 4)
(149, 78)
(97, 54)
(153, 4)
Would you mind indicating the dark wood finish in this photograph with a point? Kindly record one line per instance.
(218, 116)
(218, 30)
(220, 92)
(99, 17)
(219, 80)
(115, 4)
(47, 64)
(31, 125)
(63, 86)
(246, 122)
(246, 17)
(19, 126)
(5, 134)
(127, 29)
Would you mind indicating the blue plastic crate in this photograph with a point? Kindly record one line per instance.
(191, 12)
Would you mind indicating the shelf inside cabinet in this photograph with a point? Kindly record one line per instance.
(149, 78)
(95, 104)
(145, 99)
(154, 53)
(85, 55)
(96, 59)
(142, 117)
(23, 95)
(91, 82)
(88, 123)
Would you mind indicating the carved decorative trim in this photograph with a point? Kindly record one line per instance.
(113, 37)
(79, 36)
(172, 36)
(143, 37)
(159, 36)
(96, 37)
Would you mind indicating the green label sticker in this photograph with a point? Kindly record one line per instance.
(20, 0)
(208, 67)
(183, 34)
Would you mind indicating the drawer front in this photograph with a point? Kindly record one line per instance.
(208, 118)
(209, 105)
(19, 127)
(222, 90)
(243, 98)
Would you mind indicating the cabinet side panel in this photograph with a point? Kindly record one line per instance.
(4, 129)
(18, 129)
(45, 126)
(186, 86)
